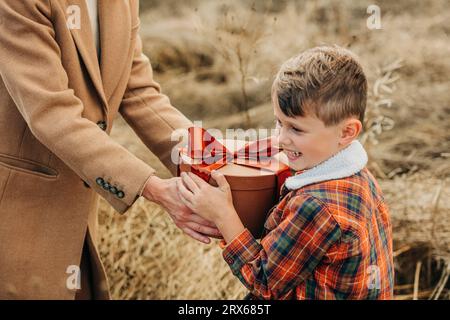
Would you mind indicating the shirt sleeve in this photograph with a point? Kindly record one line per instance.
(288, 254)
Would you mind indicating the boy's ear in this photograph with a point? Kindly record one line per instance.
(350, 130)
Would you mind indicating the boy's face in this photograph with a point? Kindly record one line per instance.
(306, 140)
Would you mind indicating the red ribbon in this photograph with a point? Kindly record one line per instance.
(209, 154)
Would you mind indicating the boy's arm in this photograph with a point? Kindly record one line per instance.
(288, 254)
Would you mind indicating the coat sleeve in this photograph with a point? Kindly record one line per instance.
(37, 82)
(149, 112)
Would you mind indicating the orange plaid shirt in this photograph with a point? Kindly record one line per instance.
(328, 240)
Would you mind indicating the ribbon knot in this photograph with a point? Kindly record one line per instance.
(208, 154)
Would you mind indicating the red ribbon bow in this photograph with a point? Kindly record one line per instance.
(209, 154)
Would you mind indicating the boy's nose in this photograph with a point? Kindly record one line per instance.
(283, 139)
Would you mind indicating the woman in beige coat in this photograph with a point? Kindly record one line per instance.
(58, 101)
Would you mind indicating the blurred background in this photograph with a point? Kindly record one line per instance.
(216, 61)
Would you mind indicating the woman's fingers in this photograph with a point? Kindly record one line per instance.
(190, 184)
(184, 193)
(195, 235)
(187, 204)
(200, 220)
(194, 225)
(198, 181)
(204, 230)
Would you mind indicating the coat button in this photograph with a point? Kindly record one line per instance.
(106, 186)
(102, 125)
(120, 194)
(113, 190)
(100, 181)
(86, 185)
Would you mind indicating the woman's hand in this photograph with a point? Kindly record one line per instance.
(212, 203)
(165, 193)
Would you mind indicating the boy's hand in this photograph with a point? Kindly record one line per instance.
(211, 203)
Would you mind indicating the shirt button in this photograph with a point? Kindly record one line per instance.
(100, 181)
(120, 194)
(102, 125)
(230, 260)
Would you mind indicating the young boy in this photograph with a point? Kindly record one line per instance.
(329, 237)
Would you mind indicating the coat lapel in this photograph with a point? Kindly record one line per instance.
(115, 37)
(84, 41)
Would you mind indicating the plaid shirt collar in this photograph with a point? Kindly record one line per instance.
(345, 163)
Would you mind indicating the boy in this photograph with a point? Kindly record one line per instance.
(329, 237)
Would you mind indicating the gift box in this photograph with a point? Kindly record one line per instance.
(255, 172)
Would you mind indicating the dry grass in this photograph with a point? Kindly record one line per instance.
(408, 133)
(147, 257)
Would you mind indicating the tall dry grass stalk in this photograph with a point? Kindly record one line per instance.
(379, 98)
(237, 35)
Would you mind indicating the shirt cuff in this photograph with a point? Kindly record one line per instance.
(241, 250)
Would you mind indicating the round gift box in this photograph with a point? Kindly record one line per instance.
(254, 190)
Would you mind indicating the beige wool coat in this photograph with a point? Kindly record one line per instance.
(57, 107)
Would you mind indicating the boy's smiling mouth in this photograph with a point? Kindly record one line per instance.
(292, 155)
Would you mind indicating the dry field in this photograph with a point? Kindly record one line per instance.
(216, 60)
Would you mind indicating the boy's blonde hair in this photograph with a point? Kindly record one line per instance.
(325, 81)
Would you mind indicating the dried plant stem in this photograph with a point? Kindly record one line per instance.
(421, 295)
(401, 250)
(441, 284)
(416, 280)
(243, 73)
(404, 286)
(434, 211)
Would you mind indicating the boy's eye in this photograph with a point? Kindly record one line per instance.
(278, 125)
